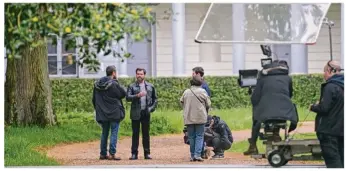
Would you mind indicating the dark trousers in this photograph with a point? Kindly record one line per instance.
(220, 144)
(256, 127)
(145, 122)
(332, 150)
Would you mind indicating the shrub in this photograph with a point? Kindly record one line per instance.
(75, 94)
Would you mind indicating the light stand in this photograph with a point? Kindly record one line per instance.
(330, 24)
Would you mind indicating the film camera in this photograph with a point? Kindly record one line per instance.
(248, 78)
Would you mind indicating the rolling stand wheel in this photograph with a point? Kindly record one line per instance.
(276, 159)
(283, 164)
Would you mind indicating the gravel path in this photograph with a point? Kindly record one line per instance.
(165, 149)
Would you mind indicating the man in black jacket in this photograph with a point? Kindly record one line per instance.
(329, 123)
(143, 96)
(218, 136)
(271, 100)
(107, 101)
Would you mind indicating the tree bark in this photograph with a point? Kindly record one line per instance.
(28, 93)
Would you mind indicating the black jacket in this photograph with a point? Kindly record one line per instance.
(222, 128)
(271, 98)
(330, 110)
(151, 97)
(107, 100)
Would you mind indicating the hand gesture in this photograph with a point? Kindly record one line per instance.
(211, 123)
(141, 94)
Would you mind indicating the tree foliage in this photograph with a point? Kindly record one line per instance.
(90, 28)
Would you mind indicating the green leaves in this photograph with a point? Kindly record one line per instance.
(75, 94)
(97, 24)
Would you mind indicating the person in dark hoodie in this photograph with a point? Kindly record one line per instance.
(329, 122)
(107, 101)
(218, 136)
(271, 100)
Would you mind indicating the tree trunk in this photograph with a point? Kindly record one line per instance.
(28, 93)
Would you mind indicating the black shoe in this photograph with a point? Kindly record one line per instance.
(147, 157)
(133, 157)
(218, 156)
(252, 149)
(103, 157)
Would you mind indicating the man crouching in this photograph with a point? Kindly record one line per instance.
(218, 136)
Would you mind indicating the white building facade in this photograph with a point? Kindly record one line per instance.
(173, 51)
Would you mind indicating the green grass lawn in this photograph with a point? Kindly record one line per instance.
(20, 143)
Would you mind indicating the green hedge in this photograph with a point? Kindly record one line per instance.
(75, 94)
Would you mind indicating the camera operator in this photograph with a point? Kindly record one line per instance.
(271, 100)
(329, 123)
(219, 136)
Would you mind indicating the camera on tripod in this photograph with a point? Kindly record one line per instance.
(248, 78)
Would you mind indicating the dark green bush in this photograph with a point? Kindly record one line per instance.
(75, 94)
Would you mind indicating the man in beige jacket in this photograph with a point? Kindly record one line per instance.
(196, 104)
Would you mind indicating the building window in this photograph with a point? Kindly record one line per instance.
(52, 58)
(59, 63)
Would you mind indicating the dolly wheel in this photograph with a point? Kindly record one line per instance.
(276, 159)
(283, 164)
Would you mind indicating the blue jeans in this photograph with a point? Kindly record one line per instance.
(114, 126)
(195, 133)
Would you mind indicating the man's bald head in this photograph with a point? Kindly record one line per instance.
(331, 68)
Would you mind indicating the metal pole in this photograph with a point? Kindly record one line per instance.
(330, 42)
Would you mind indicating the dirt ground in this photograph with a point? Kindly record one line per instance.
(165, 149)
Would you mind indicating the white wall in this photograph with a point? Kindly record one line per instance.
(318, 53)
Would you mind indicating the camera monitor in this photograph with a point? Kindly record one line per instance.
(247, 78)
(266, 61)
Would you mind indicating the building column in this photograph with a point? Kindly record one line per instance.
(299, 52)
(178, 37)
(342, 52)
(123, 64)
(238, 54)
(153, 49)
